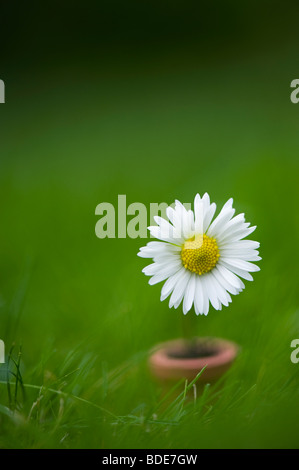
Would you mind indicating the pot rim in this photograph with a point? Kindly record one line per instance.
(225, 353)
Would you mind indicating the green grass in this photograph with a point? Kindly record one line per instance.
(76, 312)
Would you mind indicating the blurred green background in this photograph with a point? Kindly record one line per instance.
(158, 102)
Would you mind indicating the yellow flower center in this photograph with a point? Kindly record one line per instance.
(200, 254)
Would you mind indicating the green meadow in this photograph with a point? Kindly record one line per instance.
(78, 317)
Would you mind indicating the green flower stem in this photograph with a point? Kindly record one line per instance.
(189, 329)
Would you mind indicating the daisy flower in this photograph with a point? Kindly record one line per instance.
(201, 259)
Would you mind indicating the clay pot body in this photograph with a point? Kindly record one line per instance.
(177, 359)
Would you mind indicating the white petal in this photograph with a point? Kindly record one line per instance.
(239, 272)
(167, 258)
(232, 231)
(224, 282)
(157, 232)
(164, 224)
(189, 294)
(225, 215)
(144, 254)
(247, 255)
(191, 224)
(168, 229)
(171, 283)
(198, 296)
(198, 214)
(168, 250)
(209, 214)
(179, 289)
(236, 236)
(234, 224)
(211, 291)
(206, 303)
(175, 218)
(222, 293)
(160, 246)
(241, 264)
(155, 268)
(181, 210)
(242, 245)
(170, 212)
(164, 274)
(182, 220)
(231, 277)
(238, 219)
(150, 269)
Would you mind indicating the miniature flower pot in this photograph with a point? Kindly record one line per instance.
(180, 359)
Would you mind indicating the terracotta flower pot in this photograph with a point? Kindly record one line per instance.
(177, 359)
